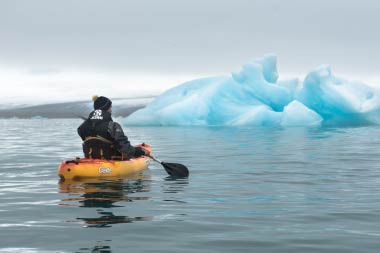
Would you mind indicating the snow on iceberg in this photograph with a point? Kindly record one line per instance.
(255, 97)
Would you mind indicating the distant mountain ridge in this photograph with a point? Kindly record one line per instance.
(122, 107)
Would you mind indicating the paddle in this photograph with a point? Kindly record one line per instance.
(173, 169)
(80, 116)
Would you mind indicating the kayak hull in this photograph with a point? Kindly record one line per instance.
(97, 168)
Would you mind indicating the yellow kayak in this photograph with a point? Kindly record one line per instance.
(95, 168)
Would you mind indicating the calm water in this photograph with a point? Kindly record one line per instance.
(250, 190)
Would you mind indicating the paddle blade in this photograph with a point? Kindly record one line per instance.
(176, 169)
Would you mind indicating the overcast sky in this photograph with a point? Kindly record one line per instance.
(77, 48)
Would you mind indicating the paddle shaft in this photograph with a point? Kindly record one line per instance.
(155, 159)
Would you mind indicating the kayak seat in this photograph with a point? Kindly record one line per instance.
(97, 147)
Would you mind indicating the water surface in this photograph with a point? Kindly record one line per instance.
(250, 189)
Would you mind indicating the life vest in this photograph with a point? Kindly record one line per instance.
(98, 143)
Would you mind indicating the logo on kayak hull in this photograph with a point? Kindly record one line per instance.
(105, 170)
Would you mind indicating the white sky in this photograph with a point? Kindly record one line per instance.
(54, 50)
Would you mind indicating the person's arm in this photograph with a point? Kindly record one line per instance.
(80, 132)
(122, 142)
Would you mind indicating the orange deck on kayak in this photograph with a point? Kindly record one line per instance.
(92, 168)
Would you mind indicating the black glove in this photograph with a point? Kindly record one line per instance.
(140, 152)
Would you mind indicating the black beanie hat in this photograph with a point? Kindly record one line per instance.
(101, 103)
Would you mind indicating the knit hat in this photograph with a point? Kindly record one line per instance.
(101, 103)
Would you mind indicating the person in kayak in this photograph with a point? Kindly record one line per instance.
(103, 138)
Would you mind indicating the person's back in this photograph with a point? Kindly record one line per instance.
(103, 138)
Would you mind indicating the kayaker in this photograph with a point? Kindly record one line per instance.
(103, 138)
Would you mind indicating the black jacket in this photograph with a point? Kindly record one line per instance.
(100, 123)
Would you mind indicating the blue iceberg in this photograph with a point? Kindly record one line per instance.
(255, 97)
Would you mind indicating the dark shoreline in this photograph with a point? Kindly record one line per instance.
(70, 109)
